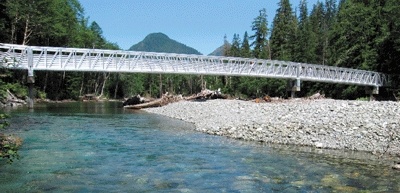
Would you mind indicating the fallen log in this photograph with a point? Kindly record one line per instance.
(155, 103)
(136, 100)
(316, 96)
(164, 100)
(207, 94)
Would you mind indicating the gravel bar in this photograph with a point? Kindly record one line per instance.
(369, 126)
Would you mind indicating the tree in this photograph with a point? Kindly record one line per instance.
(260, 43)
(358, 39)
(329, 16)
(283, 32)
(98, 39)
(235, 47)
(245, 50)
(317, 33)
(304, 45)
(389, 43)
(227, 47)
(356, 34)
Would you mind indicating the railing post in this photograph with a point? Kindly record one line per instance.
(31, 78)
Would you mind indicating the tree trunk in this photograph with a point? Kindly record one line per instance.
(14, 29)
(105, 77)
(83, 80)
(97, 84)
(202, 82)
(161, 86)
(116, 87)
(46, 77)
(269, 50)
(27, 31)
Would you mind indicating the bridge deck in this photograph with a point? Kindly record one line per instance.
(75, 59)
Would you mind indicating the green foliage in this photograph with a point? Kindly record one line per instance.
(245, 50)
(261, 46)
(3, 121)
(235, 47)
(20, 91)
(363, 99)
(9, 145)
(283, 34)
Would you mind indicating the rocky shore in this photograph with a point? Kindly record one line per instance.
(332, 124)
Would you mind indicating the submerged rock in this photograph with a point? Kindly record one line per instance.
(396, 166)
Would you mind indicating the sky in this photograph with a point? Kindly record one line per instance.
(200, 24)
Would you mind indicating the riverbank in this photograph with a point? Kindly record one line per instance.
(326, 123)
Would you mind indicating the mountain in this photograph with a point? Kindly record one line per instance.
(218, 52)
(159, 42)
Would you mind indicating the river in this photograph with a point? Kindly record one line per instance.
(100, 147)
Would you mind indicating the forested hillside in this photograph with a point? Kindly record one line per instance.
(51, 23)
(349, 33)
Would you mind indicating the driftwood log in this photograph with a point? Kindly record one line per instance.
(266, 98)
(207, 94)
(165, 99)
(138, 102)
(316, 96)
(11, 100)
(135, 100)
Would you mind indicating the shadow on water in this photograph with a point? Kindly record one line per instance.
(100, 147)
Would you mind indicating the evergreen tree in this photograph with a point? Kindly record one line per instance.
(235, 47)
(389, 44)
(245, 51)
(260, 43)
(98, 39)
(283, 32)
(330, 11)
(355, 35)
(304, 49)
(356, 40)
(317, 33)
(227, 47)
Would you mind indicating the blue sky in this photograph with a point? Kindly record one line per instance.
(200, 24)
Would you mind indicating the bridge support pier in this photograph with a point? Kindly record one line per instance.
(371, 92)
(31, 83)
(30, 79)
(293, 86)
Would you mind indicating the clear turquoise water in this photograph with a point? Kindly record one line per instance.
(99, 147)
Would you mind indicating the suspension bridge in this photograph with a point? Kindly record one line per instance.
(39, 58)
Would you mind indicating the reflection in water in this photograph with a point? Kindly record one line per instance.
(98, 147)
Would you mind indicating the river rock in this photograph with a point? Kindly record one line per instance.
(325, 123)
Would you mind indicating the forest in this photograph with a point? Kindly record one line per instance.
(362, 34)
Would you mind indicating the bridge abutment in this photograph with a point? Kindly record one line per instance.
(371, 91)
(293, 86)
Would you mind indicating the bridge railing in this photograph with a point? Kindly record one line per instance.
(78, 59)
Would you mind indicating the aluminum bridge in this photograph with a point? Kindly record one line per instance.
(34, 58)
